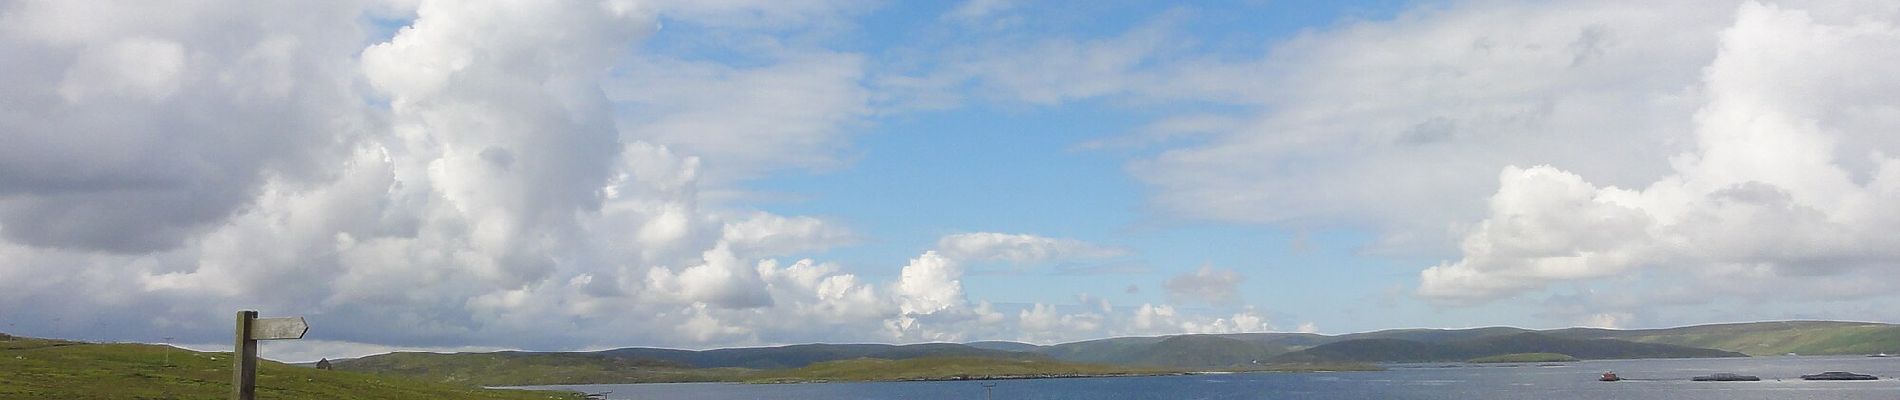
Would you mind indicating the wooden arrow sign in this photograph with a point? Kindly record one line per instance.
(251, 329)
(278, 328)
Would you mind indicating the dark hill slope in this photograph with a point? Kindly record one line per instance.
(1435, 335)
(1102, 351)
(1400, 350)
(1199, 351)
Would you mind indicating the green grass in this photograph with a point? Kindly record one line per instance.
(54, 369)
(944, 368)
(1523, 358)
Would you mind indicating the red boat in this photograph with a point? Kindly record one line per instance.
(1609, 377)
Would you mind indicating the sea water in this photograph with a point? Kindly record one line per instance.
(1644, 379)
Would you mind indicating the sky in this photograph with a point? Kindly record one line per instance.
(573, 175)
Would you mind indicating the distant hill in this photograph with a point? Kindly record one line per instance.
(641, 365)
(943, 368)
(1005, 346)
(1523, 358)
(1180, 351)
(1101, 351)
(806, 354)
(1241, 351)
(57, 369)
(1199, 351)
(1281, 340)
(525, 368)
(1765, 338)
(1435, 335)
(1402, 350)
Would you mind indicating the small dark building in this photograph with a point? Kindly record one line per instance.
(323, 364)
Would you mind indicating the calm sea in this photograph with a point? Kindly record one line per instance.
(1645, 379)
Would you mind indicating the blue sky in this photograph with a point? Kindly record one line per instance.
(571, 175)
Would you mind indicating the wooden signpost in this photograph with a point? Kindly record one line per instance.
(251, 329)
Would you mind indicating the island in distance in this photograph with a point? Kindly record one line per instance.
(1130, 355)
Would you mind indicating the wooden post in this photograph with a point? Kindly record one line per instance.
(250, 329)
(244, 359)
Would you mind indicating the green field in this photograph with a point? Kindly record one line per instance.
(1523, 358)
(53, 369)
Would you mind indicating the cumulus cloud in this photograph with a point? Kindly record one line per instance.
(1768, 154)
(931, 283)
(528, 175)
(484, 177)
(1206, 285)
(1149, 319)
(129, 130)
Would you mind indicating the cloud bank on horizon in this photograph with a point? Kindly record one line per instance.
(576, 174)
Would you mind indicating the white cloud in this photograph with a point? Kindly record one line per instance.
(1152, 319)
(789, 113)
(1636, 140)
(130, 130)
(1768, 154)
(930, 283)
(139, 67)
(767, 15)
(522, 175)
(1052, 71)
(1439, 100)
(493, 200)
(974, 9)
(1607, 320)
(765, 235)
(1043, 323)
(1207, 285)
(1020, 248)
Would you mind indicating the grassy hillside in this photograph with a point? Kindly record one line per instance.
(1400, 350)
(53, 369)
(1436, 335)
(1766, 338)
(1195, 351)
(1101, 351)
(1281, 341)
(1523, 358)
(517, 368)
(943, 368)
